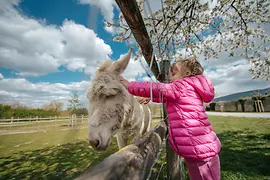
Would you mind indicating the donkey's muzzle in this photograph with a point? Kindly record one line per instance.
(94, 143)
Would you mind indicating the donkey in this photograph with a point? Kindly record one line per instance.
(112, 110)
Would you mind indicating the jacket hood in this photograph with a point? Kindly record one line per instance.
(203, 86)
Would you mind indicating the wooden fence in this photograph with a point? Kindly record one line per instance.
(133, 161)
(71, 120)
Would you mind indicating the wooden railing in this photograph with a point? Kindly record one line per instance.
(133, 161)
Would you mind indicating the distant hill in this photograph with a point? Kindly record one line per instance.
(236, 96)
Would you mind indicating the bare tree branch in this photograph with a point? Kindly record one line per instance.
(240, 15)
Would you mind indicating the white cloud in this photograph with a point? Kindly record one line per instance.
(37, 94)
(133, 69)
(106, 7)
(1, 76)
(231, 75)
(33, 48)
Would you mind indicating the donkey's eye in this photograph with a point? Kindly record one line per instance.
(114, 128)
(95, 125)
(110, 96)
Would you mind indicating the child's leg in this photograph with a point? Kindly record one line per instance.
(208, 170)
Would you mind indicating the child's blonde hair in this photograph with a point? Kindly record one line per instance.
(188, 67)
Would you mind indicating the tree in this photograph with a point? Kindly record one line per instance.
(54, 106)
(6, 111)
(74, 102)
(18, 105)
(236, 27)
(82, 111)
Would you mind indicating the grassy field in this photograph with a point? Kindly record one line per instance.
(62, 152)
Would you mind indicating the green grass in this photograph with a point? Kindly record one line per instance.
(245, 155)
(63, 154)
(16, 143)
(50, 154)
(56, 162)
(245, 152)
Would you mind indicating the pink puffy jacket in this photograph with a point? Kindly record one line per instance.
(191, 134)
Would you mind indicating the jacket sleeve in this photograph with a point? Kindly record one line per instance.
(161, 92)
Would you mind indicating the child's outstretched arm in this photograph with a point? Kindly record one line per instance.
(161, 92)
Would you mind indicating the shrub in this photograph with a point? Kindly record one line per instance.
(6, 111)
(212, 106)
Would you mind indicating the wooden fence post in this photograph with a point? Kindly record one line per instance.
(11, 123)
(173, 161)
(72, 120)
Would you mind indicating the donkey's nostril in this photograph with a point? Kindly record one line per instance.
(94, 143)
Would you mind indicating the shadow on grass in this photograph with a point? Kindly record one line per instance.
(58, 162)
(245, 155)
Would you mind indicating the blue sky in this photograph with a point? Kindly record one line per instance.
(47, 49)
(55, 12)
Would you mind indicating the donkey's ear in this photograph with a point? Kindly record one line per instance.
(120, 65)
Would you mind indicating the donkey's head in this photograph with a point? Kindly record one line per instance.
(108, 102)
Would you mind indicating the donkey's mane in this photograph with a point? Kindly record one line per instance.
(104, 66)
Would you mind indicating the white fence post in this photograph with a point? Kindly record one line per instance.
(11, 123)
(73, 118)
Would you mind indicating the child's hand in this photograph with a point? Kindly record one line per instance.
(144, 100)
(124, 81)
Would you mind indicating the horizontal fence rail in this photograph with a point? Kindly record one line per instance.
(29, 119)
(18, 125)
(133, 161)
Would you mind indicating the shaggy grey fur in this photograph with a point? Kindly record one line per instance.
(112, 110)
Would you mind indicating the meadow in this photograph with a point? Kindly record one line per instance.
(62, 152)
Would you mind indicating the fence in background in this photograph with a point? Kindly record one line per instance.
(70, 120)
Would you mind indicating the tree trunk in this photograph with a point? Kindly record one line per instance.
(133, 17)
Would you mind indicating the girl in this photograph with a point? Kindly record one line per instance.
(191, 134)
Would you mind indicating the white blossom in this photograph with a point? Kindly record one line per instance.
(237, 27)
